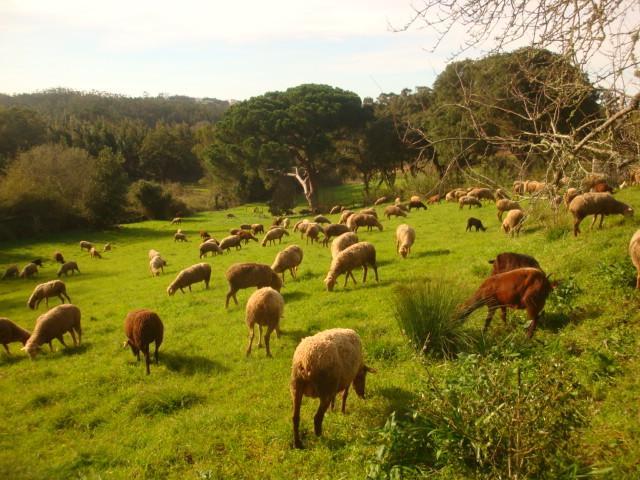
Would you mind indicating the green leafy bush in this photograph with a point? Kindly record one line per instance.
(154, 201)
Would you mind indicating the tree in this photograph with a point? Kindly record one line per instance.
(20, 129)
(107, 194)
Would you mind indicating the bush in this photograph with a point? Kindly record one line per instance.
(426, 315)
(155, 202)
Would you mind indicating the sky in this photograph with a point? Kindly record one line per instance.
(221, 49)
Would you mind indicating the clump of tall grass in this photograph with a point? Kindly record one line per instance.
(427, 316)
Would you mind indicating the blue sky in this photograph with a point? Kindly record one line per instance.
(227, 50)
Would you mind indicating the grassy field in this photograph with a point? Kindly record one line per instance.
(207, 411)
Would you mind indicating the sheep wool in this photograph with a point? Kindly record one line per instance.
(362, 254)
(405, 237)
(29, 270)
(513, 222)
(156, 265)
(274, 234)
(200, 272)
(595, 204)
(11, 272)
(343, 241)
(265, 307)
(634, 253)
(54, 288)
(10, 332)
(246, 275)
(504, 205)
(393, 210)
(143, 327)
(288, 259)
(54, 324)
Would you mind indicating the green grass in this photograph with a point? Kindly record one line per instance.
(207, 411)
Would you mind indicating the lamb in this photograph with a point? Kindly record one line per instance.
(474, 222)
(634, 253)
(437, 198)
(362, 254)
(522, 288)
(180, 237)
(153, 253)
(231, 241)
(54, 324)
(10, 332)
(369, 211)
(257, 228)
(321, 219)
(508, 261)
(264, 307)
(200, 272)
(596, 204)
(513, 222)
(274, 234)
(11, 272)
(57, 256)
(405, 237)
(94, 253)
(343, 241)
(54, 288)
(107, 247)
(361, 219)
(504, 205)
(324, 365)
(288, 259)
(380, 201)
(313, 232)
(245, 275)
(142, 328)
(393, 210)
(416, 204)
(84, 245)
(29, 270)
(482, 193)
(344, 216)
(156, 265)
(176, 221)
(467, 200)
(207, 247)
(333, 230)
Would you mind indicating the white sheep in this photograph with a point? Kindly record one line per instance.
(513, 222)
(362, 254)
(54, 288)
(153, 253)
(68, 267)
(394, 210)
(180, 237)
(210, 246)
(93, 253)
(274, 234)
(312, 232)
(156, 265)
(324, 365)
(84, 245)
(200, 272)
(405, 237)
(288, 259)
(343, 241)
(54, 324)
(596, 204)
(504, 205)
(344, 216)
(231, 241)
(358, 220)
(264, 307)
(468, 200)
(245, 275)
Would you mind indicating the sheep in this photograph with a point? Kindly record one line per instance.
(501, 194)
(467, 200)
(288, 259)
(84, 245)
(264, 307)
(601, 187)
(321, 219)
(212, 247)
(405, 237)
(362, 254)
(176, 221)
(451, 196)
(596, 204)
(301, 226)
(57, 256)
(231, 241)
(153, 253)
(29, 270)
(272, 235)
(569, 195)
(397, 200)
(246, 236)
(474, 222)
(212, 240)
(482, 194)
(245, 226)
(312, 232)
(235, 231)
(508, 261)
(257, 228)
(634, 253)
(54, 324)
(11, 272)
(437, 198)
(53, 288)
(333, 230)
(94, 253)
(380, 201)
(393, 210)
(142, 328)
(518, 187)
(37, 261)
(10, 332)
(200, 272)
(504, 205)
(416, 204)
(156, 266)
(513, 222)
(344, 216)
(107, 247)
(335, 209)
(533, 186)
(522, 288)
(361, 219)
(369, 211)
(230, 215)
(324, 365)
(415, 198)
(343, 241)
(180, 237)
(245, 275)
(204, 235)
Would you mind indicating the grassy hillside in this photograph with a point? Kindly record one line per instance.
(207, 411)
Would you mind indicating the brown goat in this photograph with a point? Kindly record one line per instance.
(508, 261)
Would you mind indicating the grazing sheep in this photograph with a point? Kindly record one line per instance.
(84, 245)
(335, 209)
(288, 259)
(405, 237)
(501, 194)
(508, 261)
(437, 198)
(312, 232)
(461, 192)
(301, 226)
(11, 272)
(634, 253)
(450, 196)
(10, 332)
(360, 220)
(369, 211)
(257, 228)
(37, 261)
(107, 247)
(153, 253)
(380, 201)
(230, 215)
(416, 204)
(180, 237)
(362, 254)
(29, 270)
(333, 230)
(467, 200)
(344, 216)
(245, 226)
(156, 266)
(176, 221)
(142, 328)
(324, 365)
(393, 210)
(482, 194)
(54, 324)
(513, 222)
(212, 247)
(522, 288)
(235, 231)
(68, 267)
(200, 272)
(474, 222)
(343, 241)
(321, 219)
(264, 307)
(57, 256)
(231, 241)
(518, 187)
(533, 186)
(272, 235)
(596, 204)
(569, 195)
(246, 275)
(204, 235)
(93, 253)
(53, 288)
(415, 198)
(285, 222)
(504, 205)
(246, 235)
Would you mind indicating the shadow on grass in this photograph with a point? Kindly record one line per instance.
(398, 400)
(293, 296)
(16, 356)
(298, 335)
(431, 253)
(190, 364)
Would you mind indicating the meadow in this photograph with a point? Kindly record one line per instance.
(208, 411)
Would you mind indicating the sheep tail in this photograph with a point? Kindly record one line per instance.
(470, 306)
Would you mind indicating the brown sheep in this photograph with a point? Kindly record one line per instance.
(569, 195)
(596, 204)
(57, 256)
(601, 187)
(333, 230)
(437, 198)
(361, 254)
(360, 220)
(93, 253)
(246, 235)
(10, 332)
(204, 235)
(504, 205)
(29, 270)
(176, 221)
(11, 272)
(272, 235)
(482, 194)
(257, 228)
(142, 328)
(508, 261)
(180, 237)
(467, 200)
(84, 245)
(53, 288)
(246, 275)
(200, 272)
(393, 210)
(335, 209)
(312, 232)
(288, 259)
(231, 241)
(380, 201)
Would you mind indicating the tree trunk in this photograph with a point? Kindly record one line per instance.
(307, 182)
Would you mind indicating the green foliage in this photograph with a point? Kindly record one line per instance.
(154, 201)
(107, 195)
(620, 273)
(20, 129)
(564, 296)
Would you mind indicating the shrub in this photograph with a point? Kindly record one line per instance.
(154, 201)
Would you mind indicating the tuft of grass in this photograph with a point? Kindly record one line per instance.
(164, 403)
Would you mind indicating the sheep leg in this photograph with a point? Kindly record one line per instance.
(601, 220)
(6, 347)
(319, 416)
(344, 399)
(364, 276)
(61, 340)
(490, 314)
(155, 353)
(375, 268)
(73, 337)
(190, 289)
(576, 226)
(51, 346)
(533, 313)
(145, 350)
(260, 337)
(252, 332)
(267, 336)
(503, 313)
(297, 402)
(638, 280)
(595, 217)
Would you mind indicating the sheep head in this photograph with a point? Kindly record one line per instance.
(171, 290)
(359, 381)
(330, 282)
(404, 251)
(32, 350)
